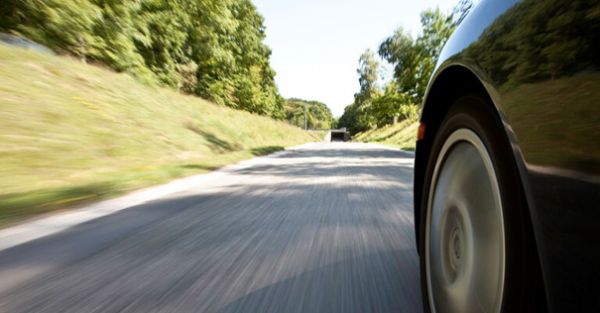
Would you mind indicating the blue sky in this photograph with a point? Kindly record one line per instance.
(316, 43)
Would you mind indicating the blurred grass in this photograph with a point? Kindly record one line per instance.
(401, 135)
(72, 133)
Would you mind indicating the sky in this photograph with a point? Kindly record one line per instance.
(316, 43)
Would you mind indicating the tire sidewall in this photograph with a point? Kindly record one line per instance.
(473, 113)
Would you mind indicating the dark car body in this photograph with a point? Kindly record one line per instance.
(539, 63)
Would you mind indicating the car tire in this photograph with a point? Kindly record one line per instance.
(477, 251)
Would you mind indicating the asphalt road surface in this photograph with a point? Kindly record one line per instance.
(323, 228)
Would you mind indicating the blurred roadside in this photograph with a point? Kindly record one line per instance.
(73, 133)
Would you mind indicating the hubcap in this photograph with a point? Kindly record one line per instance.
(464, 235)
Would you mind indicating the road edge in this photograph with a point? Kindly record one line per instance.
(54, 222)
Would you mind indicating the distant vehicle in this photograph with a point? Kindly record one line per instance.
(340, 134)
(507, 168)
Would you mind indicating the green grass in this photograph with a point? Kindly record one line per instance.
(401, 135)
(72, 133)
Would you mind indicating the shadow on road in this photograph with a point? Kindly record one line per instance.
(326, 230)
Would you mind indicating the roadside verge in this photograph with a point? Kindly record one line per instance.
(55, 222)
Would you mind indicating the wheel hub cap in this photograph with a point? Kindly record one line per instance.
(465, 231)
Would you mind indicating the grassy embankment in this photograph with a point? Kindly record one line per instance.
(402, 135)
(71, 133)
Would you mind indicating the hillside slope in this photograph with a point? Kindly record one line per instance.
(71, 132)
(402, 135)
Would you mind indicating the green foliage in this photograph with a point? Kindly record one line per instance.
(350, 119)
(318, 115)
(78, 133)
(59, 24)
(368, 70)
(213, 49)
(393, 106)
(413, 61)
(373, 107)
(359, 115)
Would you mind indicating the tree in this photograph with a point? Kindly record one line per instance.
(214, 49)
(252, 58)
(62, 25)
(115, 32)
(162, 38)
(414, 60)
(368, 72)
(350, 119)
(400, 51)
(392, 105)
(318, 114)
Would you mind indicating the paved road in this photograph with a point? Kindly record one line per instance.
(324, 228)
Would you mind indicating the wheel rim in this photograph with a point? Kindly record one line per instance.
(464, 236)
